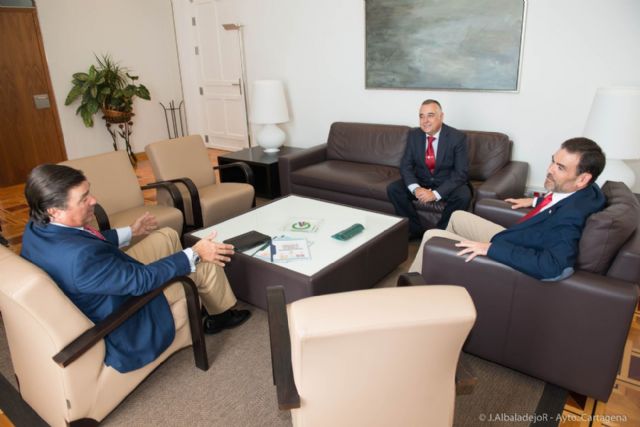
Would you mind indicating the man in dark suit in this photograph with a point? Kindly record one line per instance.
(434, 167)
(98, 277)
(544, 244)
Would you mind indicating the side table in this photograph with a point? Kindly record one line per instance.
(264, 167)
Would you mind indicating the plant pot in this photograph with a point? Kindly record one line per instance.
(114, 116)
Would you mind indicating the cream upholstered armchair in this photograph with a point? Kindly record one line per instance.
(376, 357)
(115, 185)
(58, 353)
(185, 161)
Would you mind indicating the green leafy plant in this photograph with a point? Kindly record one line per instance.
(106, 86)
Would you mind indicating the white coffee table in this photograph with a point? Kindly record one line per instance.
(334, 266)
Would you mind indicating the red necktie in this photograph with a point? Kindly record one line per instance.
(94, 232)
(538, 208)
(430, 156)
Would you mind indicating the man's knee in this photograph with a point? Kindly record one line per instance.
(458, 217)
(396, 189)
(461, 197)
(170, 234)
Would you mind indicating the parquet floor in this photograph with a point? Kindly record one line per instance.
(623, 408)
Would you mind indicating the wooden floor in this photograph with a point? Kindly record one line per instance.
(623, 408)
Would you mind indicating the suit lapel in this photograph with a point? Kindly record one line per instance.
(442, 151)
(541, 216)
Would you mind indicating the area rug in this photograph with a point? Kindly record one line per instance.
(237, 389)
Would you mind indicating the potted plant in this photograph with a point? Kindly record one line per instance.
(108, 87)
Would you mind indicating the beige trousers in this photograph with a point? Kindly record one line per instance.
(463, 225)
(215, 293)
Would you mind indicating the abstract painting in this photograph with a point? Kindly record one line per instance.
(441, 44)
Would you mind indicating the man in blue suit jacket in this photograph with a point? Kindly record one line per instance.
(434, 167)
(544, 244)
(98, 277)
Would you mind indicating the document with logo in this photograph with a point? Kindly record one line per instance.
(285, 249)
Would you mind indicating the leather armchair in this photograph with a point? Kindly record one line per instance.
(58, 353)
(185, 162)
(571, 332)
(120, 199)
(374, 357)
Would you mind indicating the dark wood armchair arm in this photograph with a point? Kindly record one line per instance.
(101, 217)
(176, 197)
(288, 397)
(246, 170)
(196, 209)
(90, 337)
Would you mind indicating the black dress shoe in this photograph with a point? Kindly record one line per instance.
(227, 320)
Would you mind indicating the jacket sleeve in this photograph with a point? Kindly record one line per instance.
(111, 236)
(557, 250)
(101, 271)
(408, 162)
(460, 173)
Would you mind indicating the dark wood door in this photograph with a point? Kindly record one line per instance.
(30, 134)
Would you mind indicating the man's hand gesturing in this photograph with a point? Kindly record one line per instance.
(211, 251)
(144, 225)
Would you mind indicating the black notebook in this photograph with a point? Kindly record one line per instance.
(248, 240)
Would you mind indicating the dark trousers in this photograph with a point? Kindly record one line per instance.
(402, 200)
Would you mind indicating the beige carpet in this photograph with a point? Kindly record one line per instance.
(237, 390)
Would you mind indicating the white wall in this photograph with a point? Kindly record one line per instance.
(571, 48)
(139, 34)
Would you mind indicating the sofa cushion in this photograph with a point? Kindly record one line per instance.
(488, 153)
(348, 177)
(606, 231)
(367, 143)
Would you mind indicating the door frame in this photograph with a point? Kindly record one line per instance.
(186, 41)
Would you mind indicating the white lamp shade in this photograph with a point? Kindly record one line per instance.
(269, 105)
(614, 122)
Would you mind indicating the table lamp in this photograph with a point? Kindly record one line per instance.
(614, 123)
(268, 108)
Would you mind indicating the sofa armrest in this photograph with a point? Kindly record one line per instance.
(90, 337)
(288, 163)
(499, 212)
(510, 181)
(555, 331)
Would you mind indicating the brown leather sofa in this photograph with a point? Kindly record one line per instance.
(360, 160)
(570, 333)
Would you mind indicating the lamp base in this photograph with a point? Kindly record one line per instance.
(271, 138)
(617, 170)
